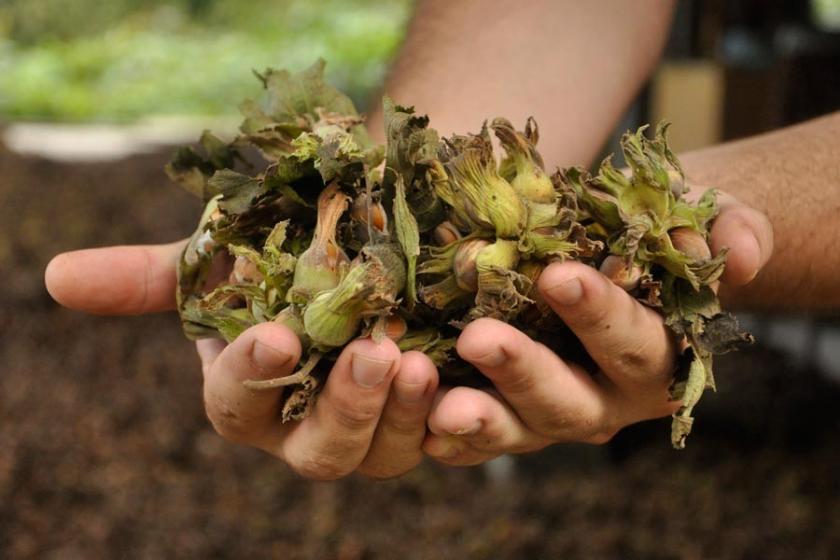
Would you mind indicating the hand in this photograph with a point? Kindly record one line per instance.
(540, 399)
(369, 418)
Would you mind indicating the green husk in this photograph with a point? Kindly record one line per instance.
(409, 236)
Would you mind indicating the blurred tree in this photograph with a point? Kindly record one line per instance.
(29, 21)
(124, 59)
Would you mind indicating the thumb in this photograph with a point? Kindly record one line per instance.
(127, 280)
(749, 236)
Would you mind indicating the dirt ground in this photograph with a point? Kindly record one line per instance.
(105, 451)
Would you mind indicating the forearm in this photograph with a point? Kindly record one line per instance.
(793, 176)
(574, 66)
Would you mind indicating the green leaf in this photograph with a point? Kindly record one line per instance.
(278, 266)
(410, 140)
(290, 96)
(195, 261)
(429, 341)
(689, 392)
(598, 198)
(202, 317)
(700, 214)
(338, 155)
(696, 315)
(238, 191)
(191, 170)
(409, 237)
(295, 104)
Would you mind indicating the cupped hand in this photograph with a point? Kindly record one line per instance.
(539, 399)
(369, 418)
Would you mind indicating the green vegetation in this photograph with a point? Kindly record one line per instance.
(121, 60)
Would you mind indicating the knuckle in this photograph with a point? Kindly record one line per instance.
(563, 418)
(558, 425)
(565, 424)
(355, 416)
(403, 427)
(633, 359)
(518, 380)
(644, 360)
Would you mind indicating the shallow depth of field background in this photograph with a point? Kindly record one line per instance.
(104, 448)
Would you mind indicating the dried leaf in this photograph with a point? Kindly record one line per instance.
(191, 170)
(410, 141)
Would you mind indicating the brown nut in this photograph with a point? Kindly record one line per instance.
(615, 268)
(466, 275)
(446, 233)
(691, 243)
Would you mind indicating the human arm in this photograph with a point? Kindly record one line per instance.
(574, 66)
(791, 176)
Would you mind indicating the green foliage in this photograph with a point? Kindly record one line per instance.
(125, 59)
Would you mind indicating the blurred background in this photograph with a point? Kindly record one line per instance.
(104, 448)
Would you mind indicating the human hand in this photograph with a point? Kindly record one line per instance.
(369, 418)
(539, 399)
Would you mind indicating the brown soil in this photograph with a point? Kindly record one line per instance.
(105, 451)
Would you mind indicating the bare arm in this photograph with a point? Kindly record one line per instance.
(465, 61)
(793, 176)
(574, 66)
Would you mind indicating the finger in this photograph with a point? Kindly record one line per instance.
(239, 414)
(396, 444)
(551, 397)
(208, 351)
(334, 439)
(629, 341)
(483, 421)
(126, 280)
(455, 452)
(749, 236)
(450, 449)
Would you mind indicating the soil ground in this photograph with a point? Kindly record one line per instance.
(105, 451)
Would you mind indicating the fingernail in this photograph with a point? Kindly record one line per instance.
(268, 357)
(494, 358)
(444, 448)
(567, 292)
(469, 431)
(369, 372)
(410, 393)
(751, 252)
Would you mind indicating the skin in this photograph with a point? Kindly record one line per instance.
(565, 63)
(380, 429)
(791, 176)
(370, 416)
